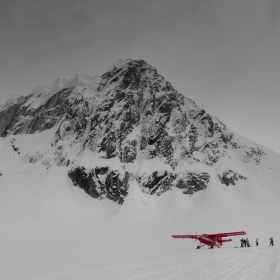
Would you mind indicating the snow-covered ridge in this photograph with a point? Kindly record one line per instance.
(60, 83)
(118, 64)
(41, 94)
(12, 99)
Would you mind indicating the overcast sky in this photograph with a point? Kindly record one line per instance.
(222, 54)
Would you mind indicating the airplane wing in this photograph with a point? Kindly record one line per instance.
(193, 236)
(225, 234)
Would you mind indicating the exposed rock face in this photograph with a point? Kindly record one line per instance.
(157, 182)
(9, 111)
(230, 177)
(101, 182)
(160, 182)
(129, 114)
(27, 119)
(45, 106)
(192, 182)
(254, 154)
(136, 114)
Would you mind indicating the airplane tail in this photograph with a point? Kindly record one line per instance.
(220, 240)
(227, 240)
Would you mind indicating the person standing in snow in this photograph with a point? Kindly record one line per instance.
(242, 242)
(247, 242)
(257, 242)
(271, 242)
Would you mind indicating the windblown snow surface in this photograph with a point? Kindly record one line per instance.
(53, 230)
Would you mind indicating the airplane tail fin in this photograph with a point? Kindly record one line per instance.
(226, 240)
(220, 240)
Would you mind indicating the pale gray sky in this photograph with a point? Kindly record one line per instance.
(223, 54)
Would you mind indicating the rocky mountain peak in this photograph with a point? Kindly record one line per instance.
(128, 74)
(118, 64)
(128, 117)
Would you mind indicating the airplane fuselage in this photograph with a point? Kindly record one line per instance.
(212, 241)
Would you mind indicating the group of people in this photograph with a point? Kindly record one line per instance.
(245, 242)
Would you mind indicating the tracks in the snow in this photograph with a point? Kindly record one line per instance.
(224, 264)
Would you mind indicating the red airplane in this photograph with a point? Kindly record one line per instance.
(211, 240)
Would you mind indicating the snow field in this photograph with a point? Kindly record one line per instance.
(53, 230)
(113, 256)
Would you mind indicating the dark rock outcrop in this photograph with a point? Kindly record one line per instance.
(8, 112)
(192, 182)
(160, 182)
(230, 177)
(100, 182)
(157, 182)
(254, 154)
(27, 120)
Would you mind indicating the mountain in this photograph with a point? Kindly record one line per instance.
(128, 125)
